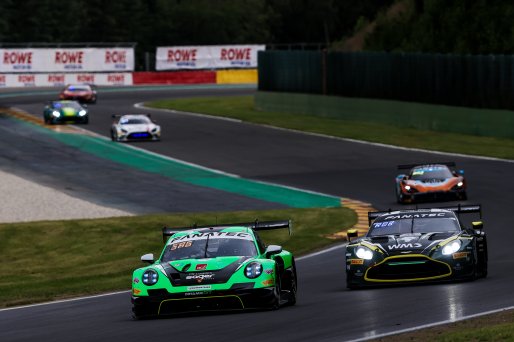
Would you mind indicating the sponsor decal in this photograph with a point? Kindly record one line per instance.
(405, 246)
(196, 293)
(270, 271)
(182, 57)
(239, 57)
(117, 58)
(460, 255)
(199, 277)
(2, 80)
(268, 282)
(136, 291)
(136, 280)
(27, 80)
(86, 78)
(19, 60)
(71, 60)
(201, 267)
(357, 261)
(116, 79)
(199, 288)
(418, 215)
(211, 235)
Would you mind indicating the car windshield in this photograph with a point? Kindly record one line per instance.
(79, 88)
(404, 223)
(208, 245)
(71, 104)
(431, 172)
(134, 121)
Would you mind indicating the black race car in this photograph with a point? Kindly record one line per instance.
(417, 245)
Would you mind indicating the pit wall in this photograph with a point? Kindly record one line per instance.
(473, 121)
(237, 76)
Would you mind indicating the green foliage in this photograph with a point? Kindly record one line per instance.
(152, 23)
(460, 26)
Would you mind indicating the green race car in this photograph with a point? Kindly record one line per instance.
(64, 112)
(215, 268)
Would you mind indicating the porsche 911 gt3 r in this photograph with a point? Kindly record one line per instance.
(65, 112)
(212, 268)
(430, 182)
(133, 127)
(419, 245)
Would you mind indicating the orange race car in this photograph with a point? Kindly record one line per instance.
(430, 182)
(84, 93)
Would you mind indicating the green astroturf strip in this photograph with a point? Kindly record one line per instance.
(186, 173)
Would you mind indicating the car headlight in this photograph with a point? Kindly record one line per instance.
(364, 253)
(154, 130)
(56, 113)
(82, 112)
(124, 130)
(150, 277)
(452, 247)
(460, 184)
(253, 270)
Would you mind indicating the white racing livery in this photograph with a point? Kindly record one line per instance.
(134, 127)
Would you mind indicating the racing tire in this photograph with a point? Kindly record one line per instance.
(463, 196)
(275, 305)
(293, 285)
(113, 138)
(85, 121)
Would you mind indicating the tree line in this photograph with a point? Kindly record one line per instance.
(151, 23)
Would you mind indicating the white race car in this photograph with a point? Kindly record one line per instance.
(133, 127)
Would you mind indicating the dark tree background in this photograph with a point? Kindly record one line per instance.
(151, 23)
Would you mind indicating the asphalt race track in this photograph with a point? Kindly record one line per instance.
(326, 310)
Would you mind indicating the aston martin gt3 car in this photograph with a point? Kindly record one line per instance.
(419, 245)
(83, 93)
(65, 112)
(133, 127)
(214, 268)
(430, 182)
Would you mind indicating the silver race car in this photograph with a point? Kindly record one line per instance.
(134, 127)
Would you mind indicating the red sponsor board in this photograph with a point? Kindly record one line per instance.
(177, 77)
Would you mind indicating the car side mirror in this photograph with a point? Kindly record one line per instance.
(148, 258)
(351, 233)
(272, 250)
(477, 225)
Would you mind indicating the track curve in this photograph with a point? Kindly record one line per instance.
(325, 311)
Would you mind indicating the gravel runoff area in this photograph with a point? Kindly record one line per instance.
(26, 201)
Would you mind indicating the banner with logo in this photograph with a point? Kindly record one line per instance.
(66, 60)
(207, 57)
(60, 80)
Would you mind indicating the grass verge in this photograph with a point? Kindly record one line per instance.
(50, 260)
(242, 107)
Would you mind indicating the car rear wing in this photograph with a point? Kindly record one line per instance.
(256, 225)
(458, 209)
(410, 166)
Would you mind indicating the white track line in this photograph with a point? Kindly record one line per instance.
(431, 325)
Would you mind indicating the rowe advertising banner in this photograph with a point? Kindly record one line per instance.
(207, 57)
(66, 60)
(58, 80)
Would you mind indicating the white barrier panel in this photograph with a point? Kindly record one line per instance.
(58, 80)
(207, 57)
(66, 60)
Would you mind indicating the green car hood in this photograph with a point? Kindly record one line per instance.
(205, 271)
(199, 265)
(67, 111)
